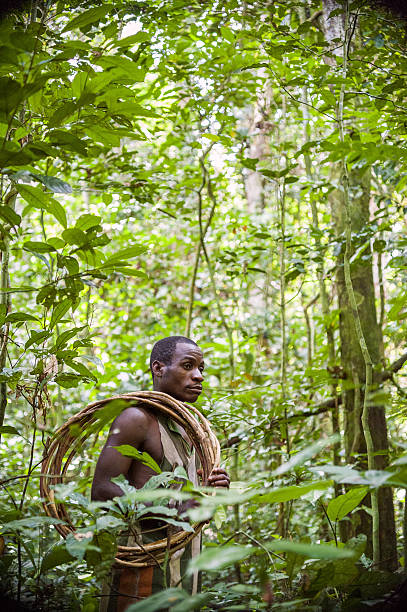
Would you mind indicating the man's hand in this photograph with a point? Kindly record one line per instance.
(219, 478)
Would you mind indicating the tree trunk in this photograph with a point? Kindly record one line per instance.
(353, 362)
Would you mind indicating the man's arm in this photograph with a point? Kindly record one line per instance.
(130, 427)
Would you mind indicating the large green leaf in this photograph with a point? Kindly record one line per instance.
(11, 94)
(302, 456)
(143, 457)
(9, 215)
(78, 543)
(53, 183)
(86, 221)
(124, 254)
(158, 602)
(59, 311)
(311, 551)
(9, 429)
(218, 557)
(88, 17)
(283, 494)
(54, 557)
(57, 210)
(73, 235)
(16, 317)
(130, 272)
(33, 195)
(67, 140)
(38, 247)
(30, 523)
(339, 507)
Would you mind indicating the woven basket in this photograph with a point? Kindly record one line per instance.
(66, 442)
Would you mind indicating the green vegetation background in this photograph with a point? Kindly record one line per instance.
(234, 172)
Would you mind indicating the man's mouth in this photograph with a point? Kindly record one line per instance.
(198, 389)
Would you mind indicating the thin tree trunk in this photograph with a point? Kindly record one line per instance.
(5, 301)
(361, 344)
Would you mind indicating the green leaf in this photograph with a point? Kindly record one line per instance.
(177, 523)
(250, 163)
(57, 210)
(131, 272)
(311, 551)
(128, 253)
(217, 557)
(81, 369)
(213, 137)
(65, 139)
(15, 317)
(3, 313)
(30, 523)
(54, 557)
(131, 71)
(87, 221)
(33, 195)
(301, 457)
(63, 112)
(129, 451)
(194, 602)
(220, 516)
(227, 34)
(56, 242)
(68, 381)
(104, 136)
(88, 17)
(10, 375)
(53, 183)
(160, 601)
(131, 109)
(77, 543)
(109, 522)
(64, 338)
(284, 494)
(339, 507)
(8, 429)
(101, 561)
(59, 311)
(9, 215)
(134, 39)
(11, 94)
(149, 495)
(74, 236)
(71, 264)
(36, 338)
(38, 247)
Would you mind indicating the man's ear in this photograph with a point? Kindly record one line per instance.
(157, 368)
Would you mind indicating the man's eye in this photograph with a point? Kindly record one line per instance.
(201, 369)
(187, 366)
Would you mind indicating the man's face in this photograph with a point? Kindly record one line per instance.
(183, 377)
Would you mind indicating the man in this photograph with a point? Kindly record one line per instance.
(177, 368)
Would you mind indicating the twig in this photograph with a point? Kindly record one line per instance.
(214, 288)
(198, 246)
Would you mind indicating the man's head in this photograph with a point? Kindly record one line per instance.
(177, 366)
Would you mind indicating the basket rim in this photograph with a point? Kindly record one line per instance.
(63, 445)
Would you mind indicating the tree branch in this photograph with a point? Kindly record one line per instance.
(394, 367)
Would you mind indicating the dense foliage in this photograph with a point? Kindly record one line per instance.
(235, 172)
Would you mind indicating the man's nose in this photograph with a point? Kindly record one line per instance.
(197, 375)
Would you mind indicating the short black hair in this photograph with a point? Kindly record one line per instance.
(164, 349)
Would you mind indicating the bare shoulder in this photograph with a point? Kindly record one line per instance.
(133, 420)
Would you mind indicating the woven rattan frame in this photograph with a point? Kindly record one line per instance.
(65, 443)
